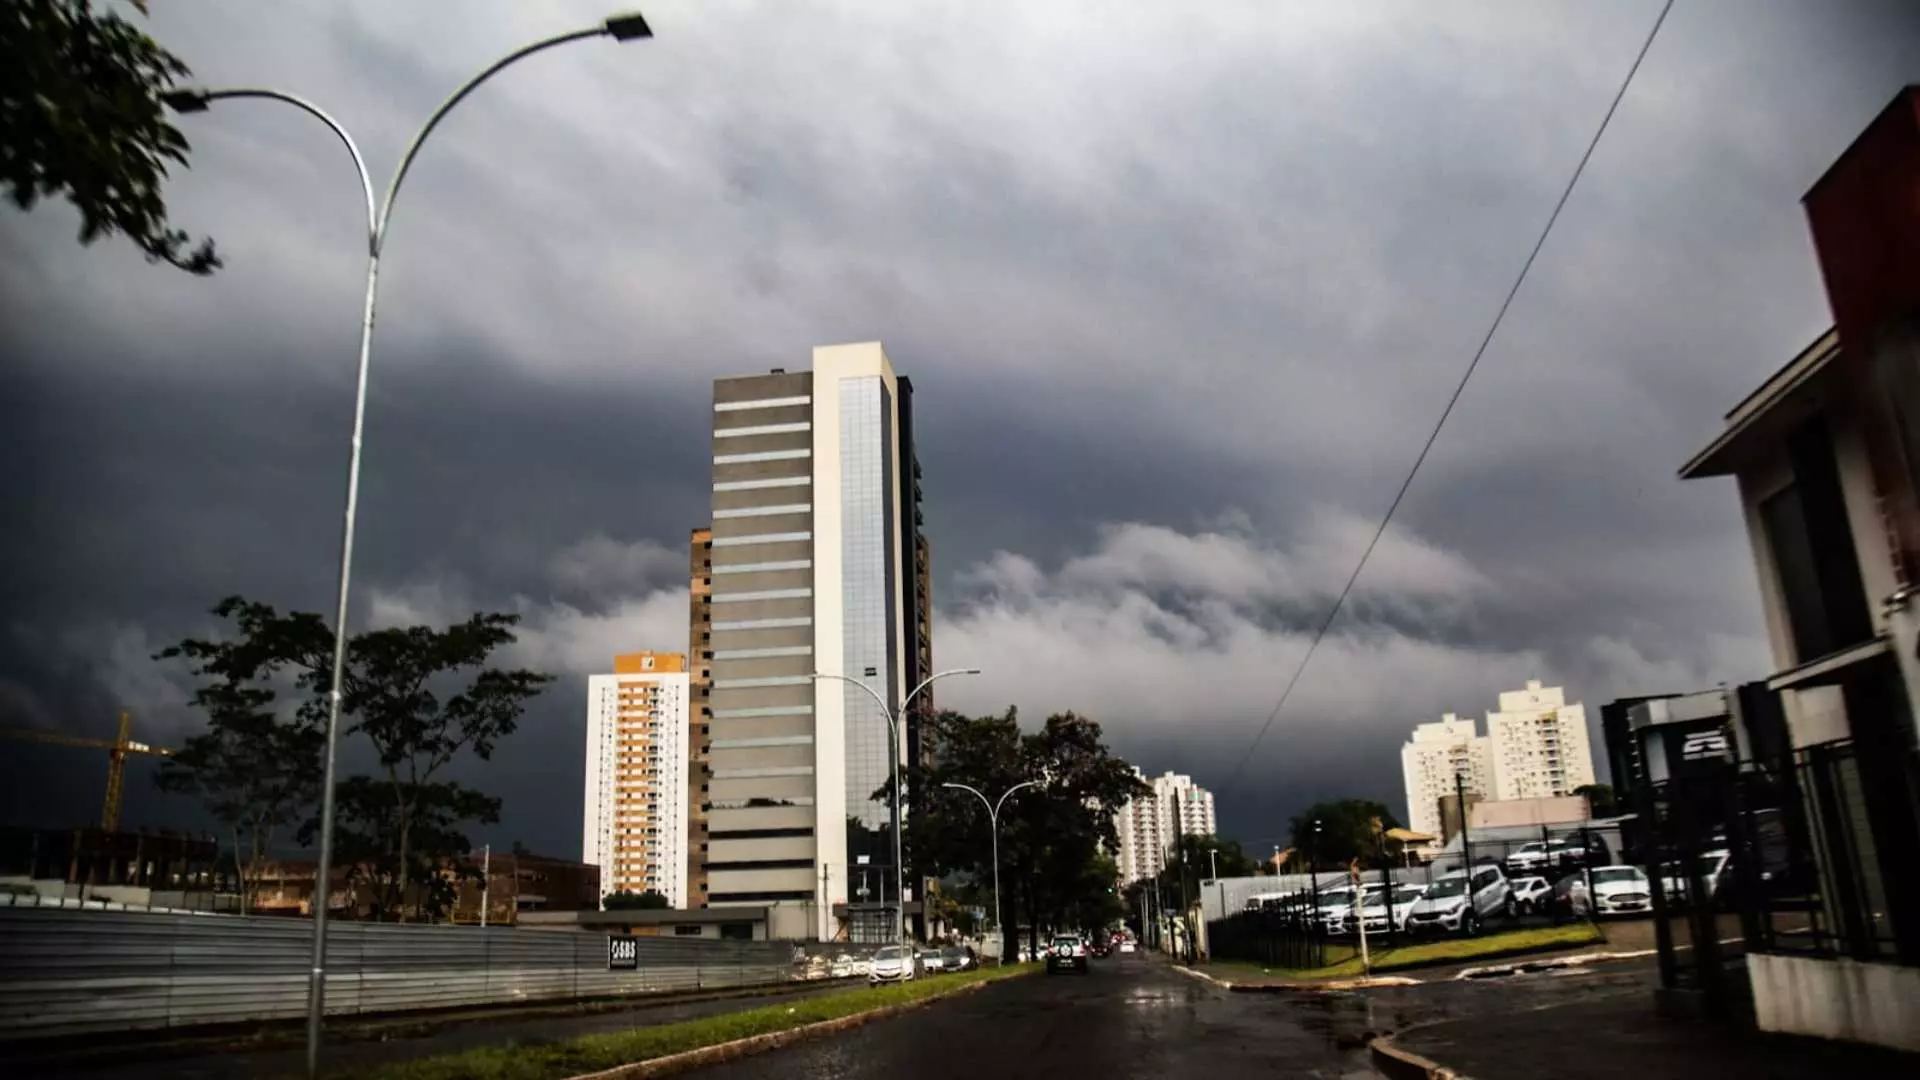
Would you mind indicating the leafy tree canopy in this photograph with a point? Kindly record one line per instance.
(81, 118)
(1334, 832)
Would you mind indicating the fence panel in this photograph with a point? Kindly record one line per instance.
(66, 972)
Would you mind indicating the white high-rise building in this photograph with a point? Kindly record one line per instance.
(818, 564)
(1150, 826)
(1540, 746)
(1431, 761)
(635, 823)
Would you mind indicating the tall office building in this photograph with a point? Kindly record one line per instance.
(1540, 746)
(816, 566)
(635, 820)
(1431, 761)
(1151, 825)
(700, 683)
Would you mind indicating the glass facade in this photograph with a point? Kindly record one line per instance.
(870, 640)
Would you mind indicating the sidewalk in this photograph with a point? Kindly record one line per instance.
(1620, 1036)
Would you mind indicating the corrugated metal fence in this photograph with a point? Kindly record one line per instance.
(74, 972)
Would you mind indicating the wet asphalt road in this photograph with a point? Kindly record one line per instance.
(1130, 1017)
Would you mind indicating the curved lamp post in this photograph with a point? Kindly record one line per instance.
(627, 27)
(893, 759)
(993, 823)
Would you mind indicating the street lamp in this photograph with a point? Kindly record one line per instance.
(893, 760)
(628, 27)
(993, 823)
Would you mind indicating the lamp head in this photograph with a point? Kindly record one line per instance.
(186, 101)
(628, 27)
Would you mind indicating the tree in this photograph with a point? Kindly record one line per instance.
(396, 700)
(627, 900)
(423, 697)
(1347, 829)
(1601, 800)
(81, 116)
(1050, 835)
(257, 769)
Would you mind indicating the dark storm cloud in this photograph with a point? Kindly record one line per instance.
(1180, 296)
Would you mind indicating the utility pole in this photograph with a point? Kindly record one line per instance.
(1460, 802)
(486, 881)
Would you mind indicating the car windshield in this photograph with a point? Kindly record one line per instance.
(1406, 894)
(930, 954)
(1531, 883)
(1337, 898)
(892, 952)
(1530, 847)
(1609, 874)
(1454, 886)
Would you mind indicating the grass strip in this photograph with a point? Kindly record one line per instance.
(590, 1053)
(1423, 954)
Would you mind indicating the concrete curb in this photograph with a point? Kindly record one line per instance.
(1291, 987)
(1398, 1064)
(772, 1040)
(1581, 960)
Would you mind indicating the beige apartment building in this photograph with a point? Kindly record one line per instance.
(635, 816)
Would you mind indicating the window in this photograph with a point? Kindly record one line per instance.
(693, 930)
(757, 897)
(1815, 563)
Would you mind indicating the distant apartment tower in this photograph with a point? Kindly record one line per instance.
(1540, 746)
(817, 565)
(1438, 755)
(1151, 825)
(700, 683)
(635, 820)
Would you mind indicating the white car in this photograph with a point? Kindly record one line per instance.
(1530, 894)
(893, 963)
(1461, 903)
(1531, 855)
(1404, 897)
(1616, 890)
(1709, 874)
(1334, 906)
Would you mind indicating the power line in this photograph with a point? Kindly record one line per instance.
(1459, 388)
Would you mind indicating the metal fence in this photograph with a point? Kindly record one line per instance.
(68, 972)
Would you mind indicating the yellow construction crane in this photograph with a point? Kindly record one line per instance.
(117, 750)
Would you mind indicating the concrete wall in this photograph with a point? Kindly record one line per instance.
(1837, 999)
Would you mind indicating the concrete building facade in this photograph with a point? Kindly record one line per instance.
(700, 694)
(1433, 758)
(1540, 745)
(634, 825)
(815, 529)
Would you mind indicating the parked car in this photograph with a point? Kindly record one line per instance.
(1333, 904)
(1404, 897)
(1527, 858)
(1067, 953)
(1461, 903)
(932, 961)
(1531, 894)
(958, 958)
(893, 963)
(1576, 851)
(1337, 907)
(1615, 890)
(1711, 875)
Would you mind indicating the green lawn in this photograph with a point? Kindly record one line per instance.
(594, 1052)
(1344, 959)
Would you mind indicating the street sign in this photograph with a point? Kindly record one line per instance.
(623, 953)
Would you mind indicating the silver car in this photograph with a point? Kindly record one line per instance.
(893, 963)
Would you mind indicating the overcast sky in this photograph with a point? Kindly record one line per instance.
(1181, 289)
